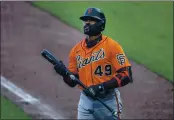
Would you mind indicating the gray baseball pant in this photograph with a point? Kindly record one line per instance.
(93, 109)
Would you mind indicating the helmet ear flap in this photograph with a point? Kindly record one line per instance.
(102, 25)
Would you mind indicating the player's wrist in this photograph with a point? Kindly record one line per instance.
(105, 85)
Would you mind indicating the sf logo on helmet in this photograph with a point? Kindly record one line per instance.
(89, 10)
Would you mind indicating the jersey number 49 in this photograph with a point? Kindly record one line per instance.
(107, 70)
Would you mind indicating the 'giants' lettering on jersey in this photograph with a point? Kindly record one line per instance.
(81, 62)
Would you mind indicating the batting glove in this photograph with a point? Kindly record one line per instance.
(94, 90)
(60, 68)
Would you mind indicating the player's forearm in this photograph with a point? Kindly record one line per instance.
(119, 80)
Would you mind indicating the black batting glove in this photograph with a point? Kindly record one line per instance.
(60, 69)
(94, 90)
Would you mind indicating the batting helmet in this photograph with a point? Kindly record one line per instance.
(95, 14)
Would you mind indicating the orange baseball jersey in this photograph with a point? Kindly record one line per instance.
(99, 63)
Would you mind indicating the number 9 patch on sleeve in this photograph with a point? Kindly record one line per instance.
(121, 59)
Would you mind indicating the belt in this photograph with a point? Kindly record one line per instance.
(104, 95)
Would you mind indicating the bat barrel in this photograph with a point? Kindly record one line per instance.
(47, 55)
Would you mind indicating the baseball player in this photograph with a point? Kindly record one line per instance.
(101, 64)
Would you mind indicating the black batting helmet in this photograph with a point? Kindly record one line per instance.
(94, 14)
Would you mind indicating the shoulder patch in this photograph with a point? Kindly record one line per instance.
(121, 59)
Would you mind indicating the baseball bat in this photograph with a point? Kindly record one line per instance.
(47, 55)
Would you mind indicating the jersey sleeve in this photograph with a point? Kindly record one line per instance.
(118, 57)
(121, 64)
(72, 62)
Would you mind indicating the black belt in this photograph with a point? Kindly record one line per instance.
(105, 95)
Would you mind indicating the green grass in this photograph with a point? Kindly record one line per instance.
(144, 29)
(11, 111)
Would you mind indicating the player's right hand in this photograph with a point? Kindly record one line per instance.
(94, 90)
(60, 68)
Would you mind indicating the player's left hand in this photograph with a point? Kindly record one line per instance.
(94, 90)
(60, 68)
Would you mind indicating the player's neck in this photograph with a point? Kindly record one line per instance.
(91, 38)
